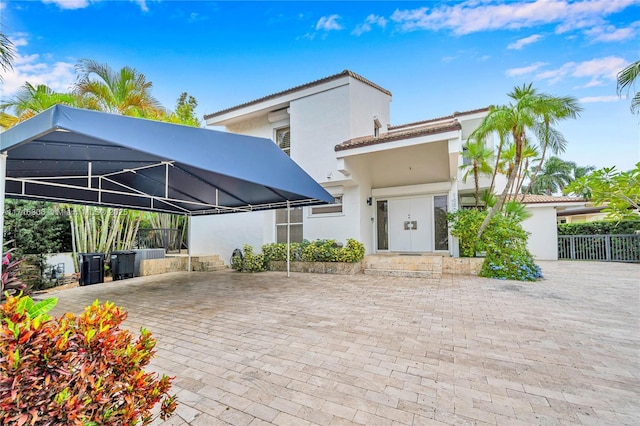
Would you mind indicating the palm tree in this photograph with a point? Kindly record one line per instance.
(555, 175)
(626, 80)
(30, 100)
(7, 54)
(126, 92)
(479, 156)
(529, 111)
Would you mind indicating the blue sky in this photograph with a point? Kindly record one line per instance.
(436, 57)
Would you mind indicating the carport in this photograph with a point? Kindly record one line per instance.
(79, 156)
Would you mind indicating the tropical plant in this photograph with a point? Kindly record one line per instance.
(7, 54)
(31, 100)
(185, 111)
(620, 191)
(10, 282)
(480, 158)
(102, 230)
(626, 79)
(70, 370)
(529, 111)
(125, 92)
(555, 175)
(504, 244)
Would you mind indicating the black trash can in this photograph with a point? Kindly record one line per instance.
(91, 268)
(122, 264)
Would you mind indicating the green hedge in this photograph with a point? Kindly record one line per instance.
(307, 251)
(316, 251)
(602, 227)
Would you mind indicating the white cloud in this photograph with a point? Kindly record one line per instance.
(519, 44)
(609, 33)
(598, 71)
(365, 27)
(593, 99)
(81, 4)
(69, 4)
(515, 72)
(36, 70)
(329, 23)
(474, 15)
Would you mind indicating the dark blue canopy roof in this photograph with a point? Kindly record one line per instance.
(80, 156)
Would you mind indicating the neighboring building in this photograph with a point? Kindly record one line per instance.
(542, 225)
(392, 184)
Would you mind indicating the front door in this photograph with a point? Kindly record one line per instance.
(410, 224)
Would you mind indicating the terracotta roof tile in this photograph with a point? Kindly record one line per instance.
(447, 117)
(392, 136)
(344, 73)
(538, 199)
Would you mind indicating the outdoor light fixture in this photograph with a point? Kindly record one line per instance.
(369, 201)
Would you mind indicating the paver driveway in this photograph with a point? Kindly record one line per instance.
(332, 350)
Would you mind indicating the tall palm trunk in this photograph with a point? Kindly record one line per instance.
(518, 140)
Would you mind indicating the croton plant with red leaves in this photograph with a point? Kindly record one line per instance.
(76, 370)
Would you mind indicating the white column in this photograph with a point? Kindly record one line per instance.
(454, 243)
(3, 178)
(188, 243)
(288, 239)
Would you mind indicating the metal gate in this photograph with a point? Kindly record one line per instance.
(608, 248)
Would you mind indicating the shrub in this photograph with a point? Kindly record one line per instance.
(11, 284)
(72, 370)
(353, 252)
(600, 227)
(316, 251)
(504, 241)
(249, 262)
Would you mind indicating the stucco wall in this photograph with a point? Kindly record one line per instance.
(221, 234)
(543, 241)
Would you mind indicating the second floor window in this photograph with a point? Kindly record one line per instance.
(283, 139)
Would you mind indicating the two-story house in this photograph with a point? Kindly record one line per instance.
(392, 184)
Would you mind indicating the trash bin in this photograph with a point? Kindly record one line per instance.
(91, 268)
(122, 264)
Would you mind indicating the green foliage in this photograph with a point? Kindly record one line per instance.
(37, 227)
(316, 251)
(601, 227)
(464, 225)
(504, 242)
(619, 191)
(353, 252)
(76, 370)
(249, 262)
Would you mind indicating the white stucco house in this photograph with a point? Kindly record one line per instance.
(392, 184)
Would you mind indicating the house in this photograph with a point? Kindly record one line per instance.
(392, 185)
(542, 224)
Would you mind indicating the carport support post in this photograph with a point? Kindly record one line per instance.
(288, 239)
(3, 179)
(188, 243)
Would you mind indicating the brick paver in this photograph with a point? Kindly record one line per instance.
(255, 349)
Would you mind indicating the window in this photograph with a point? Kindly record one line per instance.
(466, 161)
(376, 127)
(283, 139)
(441, 232)
(295, 225)
(335, 207)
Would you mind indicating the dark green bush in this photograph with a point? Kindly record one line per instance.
(601, 227)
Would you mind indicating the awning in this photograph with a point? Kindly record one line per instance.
(72, 155)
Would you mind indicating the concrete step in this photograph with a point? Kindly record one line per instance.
(403, 273)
